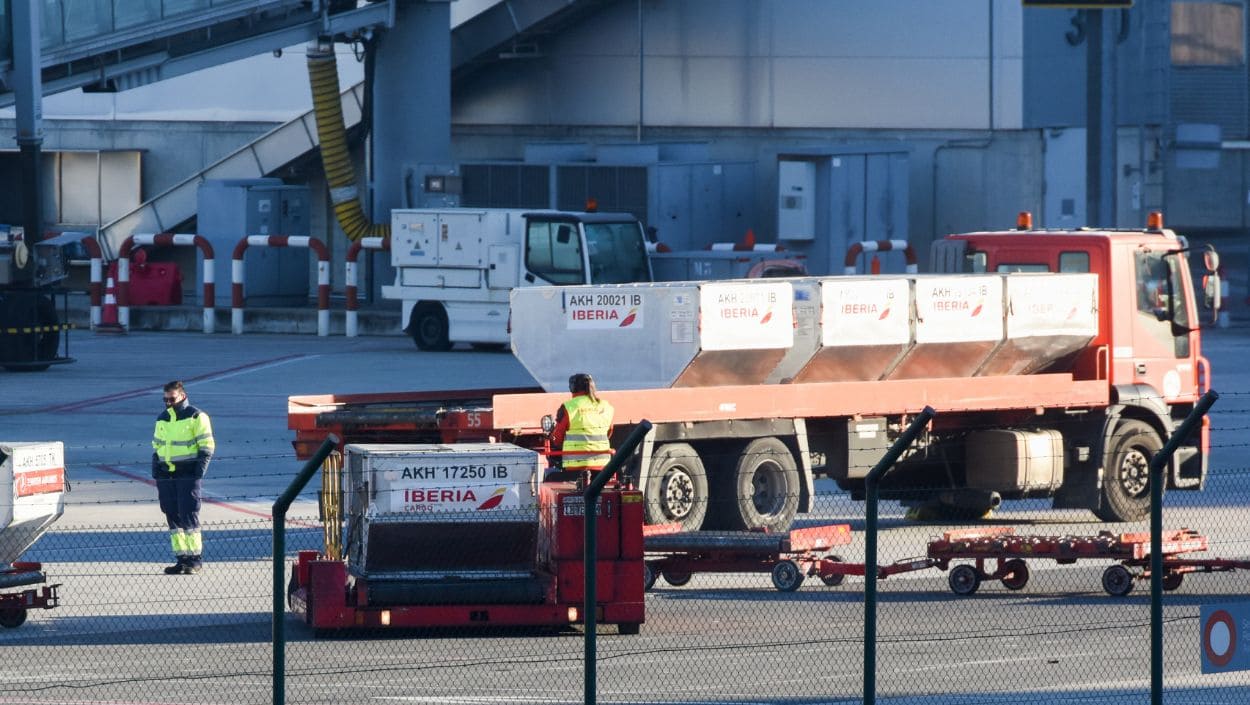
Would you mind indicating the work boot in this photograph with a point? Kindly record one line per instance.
(192, 565)
(177, 568)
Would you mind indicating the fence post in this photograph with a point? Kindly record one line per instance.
(591, 554)
(870, 546)
(1158, 475)
(280, 506)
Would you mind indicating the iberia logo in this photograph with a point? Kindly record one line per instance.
(629, 318)
(976, 310)
(494, 500)
(767, 317)
(884, 314)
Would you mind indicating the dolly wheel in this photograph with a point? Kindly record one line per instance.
(833, 579)
(649, 576)
(1172, 581)
(964, 580)
(1016, 574)
(12, 618)
(787, 577)
(628, 628)
(677, 579)
(1117, 581)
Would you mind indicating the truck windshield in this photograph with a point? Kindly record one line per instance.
(618, 254)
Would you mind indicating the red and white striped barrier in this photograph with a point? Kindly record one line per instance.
(742, 247)
(323, 276)
(163, 240)
(859, 248)
(350, 323)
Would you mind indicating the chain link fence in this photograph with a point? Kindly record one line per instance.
(124, 632)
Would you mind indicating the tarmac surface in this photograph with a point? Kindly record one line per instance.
(127, 634)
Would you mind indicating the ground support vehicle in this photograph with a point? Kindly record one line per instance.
(32, 334)
(788, 557)
(15, 605)
(1058, 361)
(32, 488)
(1130, 551)
(465, 535)
(454, 267)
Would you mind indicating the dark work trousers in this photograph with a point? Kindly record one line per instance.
(180, 501)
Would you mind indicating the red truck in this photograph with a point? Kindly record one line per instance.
(1058, 361)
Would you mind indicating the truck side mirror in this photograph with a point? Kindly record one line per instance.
(1212, 294)
(549, 424)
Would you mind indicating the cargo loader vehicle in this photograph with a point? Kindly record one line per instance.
(456, 535)
(1058, 361)
(32, 490)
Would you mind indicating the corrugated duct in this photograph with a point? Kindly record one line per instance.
(323, 76)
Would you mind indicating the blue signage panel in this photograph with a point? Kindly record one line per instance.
(1225, 637)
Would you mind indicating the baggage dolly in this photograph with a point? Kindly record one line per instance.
(789, 558)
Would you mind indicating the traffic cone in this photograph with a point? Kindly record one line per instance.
(109, 322)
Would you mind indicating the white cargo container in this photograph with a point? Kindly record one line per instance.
(681, 334)
(32, 490)
(416, 508)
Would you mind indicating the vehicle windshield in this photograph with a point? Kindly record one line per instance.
(618, 253)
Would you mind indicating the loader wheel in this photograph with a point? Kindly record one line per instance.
(1016, 574)
(676, 490)
(12, 618)
(1172, 581)
(677, 579)
(834, 579)
(763, 490)
(1126, 472)
(964, 579)
(787, 576)
(429, 328)
(1117, 581)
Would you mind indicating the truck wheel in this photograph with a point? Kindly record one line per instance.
(649, 575)
(1126, 473)
(787, 576)
(428, 327)
(12, 617)
(833, 579)
(676, 489)
(964, 579)
(764, 487)
(1117, 581)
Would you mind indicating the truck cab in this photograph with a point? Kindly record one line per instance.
(1148, 349)
(455, 267)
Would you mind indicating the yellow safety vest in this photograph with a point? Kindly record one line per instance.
(589, 425)
(180, 436)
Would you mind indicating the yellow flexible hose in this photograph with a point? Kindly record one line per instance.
(323, 76)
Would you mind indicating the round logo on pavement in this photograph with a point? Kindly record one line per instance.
(1219, 638)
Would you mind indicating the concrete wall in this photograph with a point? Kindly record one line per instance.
(782, 64)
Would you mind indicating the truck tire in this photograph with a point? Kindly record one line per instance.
(763, 489)
(676, 490)
(12, 617)
(429, 328)
(1126, 472)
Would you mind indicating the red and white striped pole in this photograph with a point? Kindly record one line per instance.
(350, 322)
(323, 276)
(163, 240)
(859, 248)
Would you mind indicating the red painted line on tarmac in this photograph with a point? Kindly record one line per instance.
(134, 393)
(206, 500)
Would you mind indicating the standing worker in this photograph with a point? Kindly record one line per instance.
(582, 427)
(182, 446)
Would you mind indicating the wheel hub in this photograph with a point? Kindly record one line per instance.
(1135, 473)
(678, 494)
(765, 488)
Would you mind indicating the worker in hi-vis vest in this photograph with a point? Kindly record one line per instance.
(583, 424)
(182, 446)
